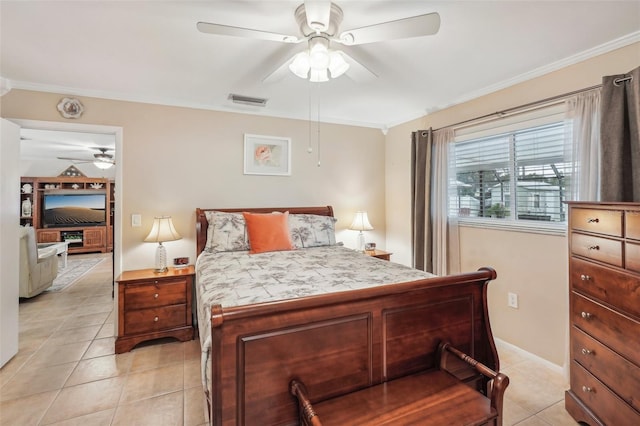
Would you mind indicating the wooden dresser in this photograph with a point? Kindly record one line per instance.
(604, 314)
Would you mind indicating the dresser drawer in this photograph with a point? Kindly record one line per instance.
(615, 288)
(608, 222)
(632, 224)
(610, 409)
(617, 373)
(155, 319)
(596, 248)
(153, 294)
(632, 256)
(615, 330)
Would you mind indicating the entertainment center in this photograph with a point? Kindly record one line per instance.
(77, 210)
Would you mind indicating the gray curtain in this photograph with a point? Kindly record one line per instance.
(421, 235)
(620, 137)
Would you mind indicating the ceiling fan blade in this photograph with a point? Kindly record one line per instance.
(226, 30)
(318, 14)
(79, 160)
(417, 26)
(357, 71)
(279, 66)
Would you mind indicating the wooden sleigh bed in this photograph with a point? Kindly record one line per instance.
(336, 343)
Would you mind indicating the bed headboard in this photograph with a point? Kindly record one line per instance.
(202, 223)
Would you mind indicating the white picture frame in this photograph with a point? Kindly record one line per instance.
(267, 155)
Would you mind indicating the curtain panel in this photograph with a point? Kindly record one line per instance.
(620, 137)
(583, 111)
(421, 148)
(430, 196)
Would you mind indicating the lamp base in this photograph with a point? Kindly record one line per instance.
(361, 242)
(161, 259)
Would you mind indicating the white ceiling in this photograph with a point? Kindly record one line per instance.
(151, 51)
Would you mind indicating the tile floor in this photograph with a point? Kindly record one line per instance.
(66, 372)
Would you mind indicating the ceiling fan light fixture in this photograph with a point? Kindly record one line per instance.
(337, 64)
(102, 164)
(300, 65)
(319, 53)
(318, 76)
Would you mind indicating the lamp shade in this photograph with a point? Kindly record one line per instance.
(162, 230)
(361, 222)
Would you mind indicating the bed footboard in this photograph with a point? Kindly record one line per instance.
(357, 339)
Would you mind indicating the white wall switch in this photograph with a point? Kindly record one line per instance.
(513, 300)
(136, 220)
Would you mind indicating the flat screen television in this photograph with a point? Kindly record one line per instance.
(74, 209)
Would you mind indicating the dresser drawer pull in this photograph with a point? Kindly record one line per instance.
(594, 247)
(155, 296)
(587, 389)
(593, 220)
(585, 277)
(586, 315)
(586, 351)
(156, 319)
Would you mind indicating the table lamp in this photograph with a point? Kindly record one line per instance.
(361, 223)
(162, 231)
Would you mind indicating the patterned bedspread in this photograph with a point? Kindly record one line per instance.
(238, 278)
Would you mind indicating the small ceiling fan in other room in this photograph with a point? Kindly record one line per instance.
(319, 22)
(101, 159)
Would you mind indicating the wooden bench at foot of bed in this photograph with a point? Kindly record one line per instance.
(435, 397)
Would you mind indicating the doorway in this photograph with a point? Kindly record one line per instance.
(50, 148)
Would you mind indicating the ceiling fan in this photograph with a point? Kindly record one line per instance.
(101, 159)
(319, 22)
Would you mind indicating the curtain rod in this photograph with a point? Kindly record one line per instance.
(513, 109)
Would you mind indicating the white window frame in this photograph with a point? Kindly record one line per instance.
(537, 117)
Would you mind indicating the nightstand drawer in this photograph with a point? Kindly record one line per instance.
(148, 320)
(610, 286)
(607, 222)
(617, 331)
(610, 408)
(610, 368)
(155, 293)
(596, 248)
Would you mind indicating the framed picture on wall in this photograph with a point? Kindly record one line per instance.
(267, 155)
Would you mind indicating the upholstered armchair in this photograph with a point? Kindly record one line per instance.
(38, 268)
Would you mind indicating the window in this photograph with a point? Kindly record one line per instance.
(518, 175)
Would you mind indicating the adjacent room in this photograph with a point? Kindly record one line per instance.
(266, 212)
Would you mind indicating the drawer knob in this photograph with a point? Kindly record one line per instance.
(584, 277)
(594, 247)
(155, 296)
(587, 389)
(593, 220)
(155, 319)
(586, 315)
(586, 351)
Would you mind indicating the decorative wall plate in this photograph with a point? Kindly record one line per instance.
(70, 108)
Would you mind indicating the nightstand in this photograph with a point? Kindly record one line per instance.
(154, 305)
(380, 254)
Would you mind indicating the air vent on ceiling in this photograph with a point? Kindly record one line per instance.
(247, 100)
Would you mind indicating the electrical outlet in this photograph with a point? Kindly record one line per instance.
(513, 300)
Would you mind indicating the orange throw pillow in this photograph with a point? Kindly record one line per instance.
(268, 232)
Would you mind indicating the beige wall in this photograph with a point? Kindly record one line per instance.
(533, 266)
(175, 159)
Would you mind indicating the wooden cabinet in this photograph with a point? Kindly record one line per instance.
(81, 239)
(604, 275)
(154, 305)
